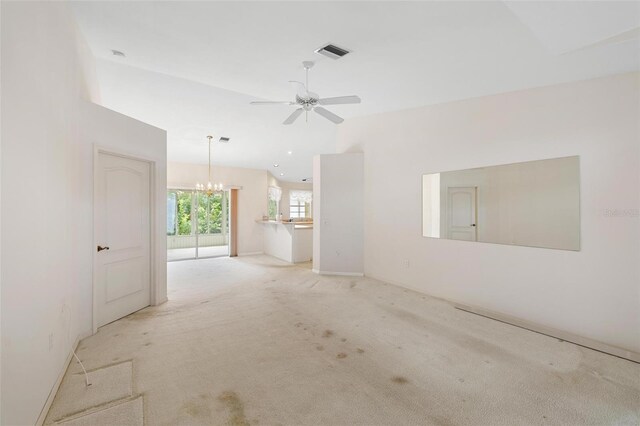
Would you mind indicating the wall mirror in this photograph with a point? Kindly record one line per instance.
(535, 203)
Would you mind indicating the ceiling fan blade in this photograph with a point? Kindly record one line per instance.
(328, 115)
(301, 89)
(272, 103)
(340, 100)
(294, 115)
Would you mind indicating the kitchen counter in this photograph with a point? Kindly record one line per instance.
(288, 241)
(296, 224)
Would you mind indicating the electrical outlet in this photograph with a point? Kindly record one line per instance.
(51, 341)
(405, 263)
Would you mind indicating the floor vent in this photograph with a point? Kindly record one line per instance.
(332, 51)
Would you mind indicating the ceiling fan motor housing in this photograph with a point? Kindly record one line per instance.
(307, 103)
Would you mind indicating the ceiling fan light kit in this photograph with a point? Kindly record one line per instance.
(307, 100)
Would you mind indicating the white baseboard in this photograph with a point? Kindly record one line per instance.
(346, 274)
(56, 385)
(251, 253)
(552, 332)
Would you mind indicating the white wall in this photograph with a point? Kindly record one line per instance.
(113, 132)
(252, 198)
(593, 293)
(42, 81)
(47, 180)
(338, 228)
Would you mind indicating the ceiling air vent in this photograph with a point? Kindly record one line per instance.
(332, 51)
(224, 139)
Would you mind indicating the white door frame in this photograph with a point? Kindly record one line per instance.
(97, 150)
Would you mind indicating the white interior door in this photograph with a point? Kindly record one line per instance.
(461, 207)
(122, 235)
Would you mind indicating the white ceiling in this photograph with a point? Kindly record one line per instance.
(192, 67)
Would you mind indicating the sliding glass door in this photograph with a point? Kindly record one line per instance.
(197, 224)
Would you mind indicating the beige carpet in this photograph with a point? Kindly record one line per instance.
(107, 384)
(255, 341)
(124, 413)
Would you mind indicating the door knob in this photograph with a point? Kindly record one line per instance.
(473, 224)
(100, 248)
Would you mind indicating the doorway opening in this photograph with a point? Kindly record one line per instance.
(197, 224)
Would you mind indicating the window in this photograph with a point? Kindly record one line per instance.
(183, 207)
(273, 209)
(300, 204)
(210, 213)
(298, 209)
(274, 194)
(179, 212)
(172, 200)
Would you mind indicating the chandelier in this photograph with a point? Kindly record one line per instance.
(209, 188)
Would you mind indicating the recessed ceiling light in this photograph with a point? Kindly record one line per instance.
(289, 152)
(276, 165)
(281, 174)
(117, 53)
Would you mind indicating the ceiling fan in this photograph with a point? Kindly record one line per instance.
(310, 101)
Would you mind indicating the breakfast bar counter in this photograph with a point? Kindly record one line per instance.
(288, 241)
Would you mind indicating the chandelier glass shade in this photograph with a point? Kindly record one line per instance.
(209, 188)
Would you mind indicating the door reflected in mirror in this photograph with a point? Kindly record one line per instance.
(535, 203)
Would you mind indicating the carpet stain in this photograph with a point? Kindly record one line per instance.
(298, 324)
(343, 340)
(320, 348)
(195, 409)
(235, 407)
(352, 284)
(360, 351)
(148, 344)
(327, 333)
(399, 380)
(341, 355)
(205, 301)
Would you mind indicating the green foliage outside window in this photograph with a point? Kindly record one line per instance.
(184, 213)
(210, 213)
(273, 209)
